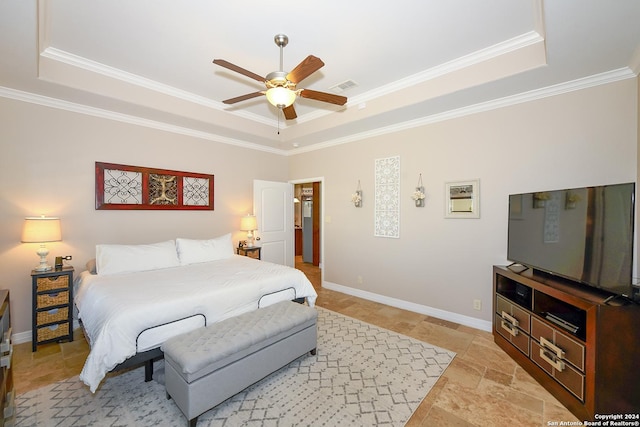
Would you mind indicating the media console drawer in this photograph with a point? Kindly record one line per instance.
(513, 334)
(573, 352)
(564, 373)
(520, 315)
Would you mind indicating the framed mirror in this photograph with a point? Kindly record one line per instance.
(462, 199)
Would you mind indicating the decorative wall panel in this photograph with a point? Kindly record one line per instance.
(134, 187)
(387, 197)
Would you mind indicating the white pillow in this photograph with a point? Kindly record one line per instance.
(114, 259)
(195, 251)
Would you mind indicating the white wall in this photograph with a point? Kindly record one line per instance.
(581, 138)
(47, 162)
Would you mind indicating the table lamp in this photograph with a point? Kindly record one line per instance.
(41, 229)
(249, 224)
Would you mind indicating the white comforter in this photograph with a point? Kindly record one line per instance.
(115, 309)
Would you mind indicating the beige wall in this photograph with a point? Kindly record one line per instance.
(47, 167)
(581, 138)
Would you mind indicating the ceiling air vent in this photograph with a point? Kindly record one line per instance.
(341, 87)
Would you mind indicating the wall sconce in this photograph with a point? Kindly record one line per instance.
(418, 195)
(41, 229)
(249, 224)
(356, 198)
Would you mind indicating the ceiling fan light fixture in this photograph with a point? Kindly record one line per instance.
(280, 97)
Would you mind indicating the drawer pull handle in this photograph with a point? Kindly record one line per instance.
(507, 316)
(551, 359)
(545, 343)
(509, 328)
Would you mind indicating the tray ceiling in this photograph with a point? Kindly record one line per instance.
(407, 62)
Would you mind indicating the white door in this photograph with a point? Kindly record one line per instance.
(273, 208)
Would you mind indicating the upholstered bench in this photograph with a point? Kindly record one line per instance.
(207, 366)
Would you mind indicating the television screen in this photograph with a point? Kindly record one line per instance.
(583, 234)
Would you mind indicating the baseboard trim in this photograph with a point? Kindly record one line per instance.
(417, 308)
(472, 322)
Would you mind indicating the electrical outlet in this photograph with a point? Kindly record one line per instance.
(477, 304)
(359, 280)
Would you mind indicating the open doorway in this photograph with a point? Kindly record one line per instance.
(308, 228)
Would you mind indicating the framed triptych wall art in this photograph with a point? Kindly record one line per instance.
(135, 187)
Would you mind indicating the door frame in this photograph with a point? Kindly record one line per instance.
(321, 219)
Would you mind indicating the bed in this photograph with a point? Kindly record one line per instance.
(140, 295)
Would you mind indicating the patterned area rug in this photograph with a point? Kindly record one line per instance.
(362, 375)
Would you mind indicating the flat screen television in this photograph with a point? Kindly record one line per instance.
(582, 234)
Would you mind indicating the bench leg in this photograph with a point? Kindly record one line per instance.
(193, 422)
(314, 352)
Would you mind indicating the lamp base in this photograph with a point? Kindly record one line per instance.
(44, 265)
(249, 241)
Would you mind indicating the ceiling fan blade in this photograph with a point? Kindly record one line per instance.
(233, 67)
(289, 112)
(242, 98)
(323, 96)
(310, 65)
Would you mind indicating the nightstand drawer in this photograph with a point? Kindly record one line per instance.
(54, 331)
(53, 315)
(251, 252)
(52, 282)
(50, 300)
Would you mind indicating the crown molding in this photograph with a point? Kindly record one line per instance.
(474, 58)
(460, 63)
(72, 60)
(558, 89)
(46, 101)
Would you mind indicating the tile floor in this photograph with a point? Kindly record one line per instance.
(482, 387)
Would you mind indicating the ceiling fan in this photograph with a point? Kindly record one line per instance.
(281, 89)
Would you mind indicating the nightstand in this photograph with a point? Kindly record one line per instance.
(52, 306)
(252, 252)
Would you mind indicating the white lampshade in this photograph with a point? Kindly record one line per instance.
(248, 223)
(280, 97)
(41, 229)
